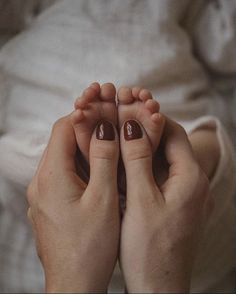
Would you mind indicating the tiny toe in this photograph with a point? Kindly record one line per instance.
(108, 92)
(135, 91)
(88, 96)
(96, 87)
(144, 95)
(155, 129)
(125, 95)
(156, 117)
(77, 116)
(80, 102)
(152, 105)
(76, 102)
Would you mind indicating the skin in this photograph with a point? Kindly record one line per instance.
(99, 103)
(167, 221)
(206, 149)
(162, 224)
(76, 226)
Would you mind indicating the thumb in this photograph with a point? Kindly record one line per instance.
(103, 156)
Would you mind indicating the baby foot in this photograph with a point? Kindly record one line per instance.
(96, 104)
(137, 104)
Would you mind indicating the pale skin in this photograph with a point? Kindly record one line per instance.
(70, 219)
(78, 230)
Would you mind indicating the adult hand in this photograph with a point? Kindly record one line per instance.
(76, 225)
(162, 224)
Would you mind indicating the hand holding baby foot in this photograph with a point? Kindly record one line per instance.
(161, 225)
(76, 226)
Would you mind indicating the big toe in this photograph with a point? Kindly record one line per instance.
(108, 92)
(103, 156)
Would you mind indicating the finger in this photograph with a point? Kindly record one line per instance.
(136, 153)
(32, 187)
(41, 162)
(62, 146)
(177, 147)
(103, 157)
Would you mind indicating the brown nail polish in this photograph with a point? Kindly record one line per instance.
(105, 131)
(132, 130)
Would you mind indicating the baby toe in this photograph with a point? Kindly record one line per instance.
(76, 116)
(96, 87)
(135, 91)
(108, 92)
(144, 95)
(125, 95)
(88, 96)
(152, 105)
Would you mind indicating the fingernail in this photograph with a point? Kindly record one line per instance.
(132, 130)
(105, 131)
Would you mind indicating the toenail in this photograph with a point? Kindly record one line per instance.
(132, 130)
(105, 131)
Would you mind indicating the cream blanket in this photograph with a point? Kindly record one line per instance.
(165, 46)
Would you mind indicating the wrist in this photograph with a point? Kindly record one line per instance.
(169, 272)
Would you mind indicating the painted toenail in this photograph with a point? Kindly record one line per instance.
(132, 130)
(105, 131)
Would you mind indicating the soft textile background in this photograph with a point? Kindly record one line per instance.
(183, 51)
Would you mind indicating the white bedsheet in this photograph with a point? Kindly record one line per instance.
(76, 42)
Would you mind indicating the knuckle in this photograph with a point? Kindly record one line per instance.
(58, 124)
(138, 152)
(107, 151)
